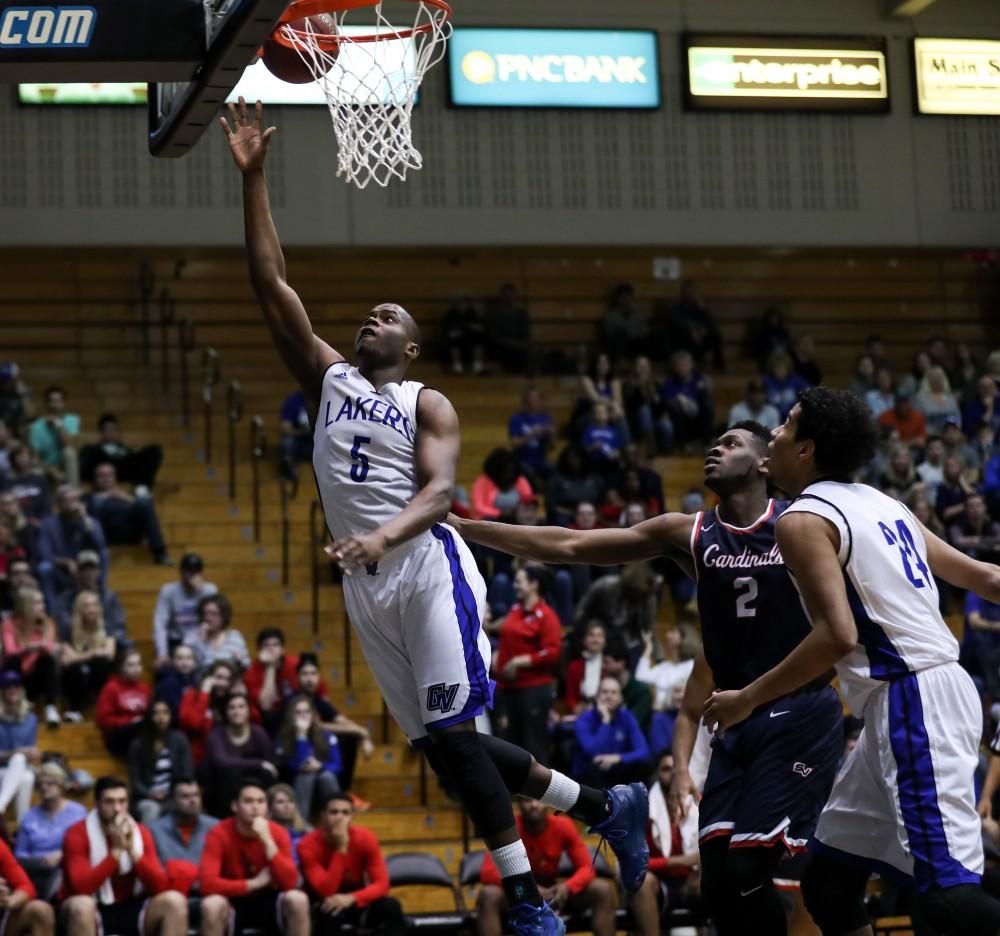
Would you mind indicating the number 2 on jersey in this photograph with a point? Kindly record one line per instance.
(359, 466)
(745, 600)
(903, 540)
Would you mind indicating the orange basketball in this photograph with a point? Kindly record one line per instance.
(285, 63)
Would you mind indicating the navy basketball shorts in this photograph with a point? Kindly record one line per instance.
(769, 776)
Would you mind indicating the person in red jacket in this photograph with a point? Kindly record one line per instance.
(343, 866)
(247, 872)
(20, 913)
(583, 673)
(202, 706)
(526, 665)
(112, 878)
(546, 838)
(272, 679)
(122, 703)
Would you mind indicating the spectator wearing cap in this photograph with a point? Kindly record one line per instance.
(180, 834)
(54, 436)
(526, 665)
(19, 752)
(87, 577)
(296, 434)
(42, 828)
(138, 467)
(124, 517)
(63, 537)
(215, 639)
(27, 483)
(30, 647)
(176, 616)
(906, 420)
(88, 657)
(122, 703)
(611, 747)
(755, 406)
(531, 431)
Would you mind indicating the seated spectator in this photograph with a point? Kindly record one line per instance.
(176, 616)
(637, 697)
(247, 874)
(661, 726)
(23, 530)
(28, 485)
(975, 533)
(675, 666)
(531, 432)
(30, 648)
(547, 838)
(6, 439)
(282, 810)
(965, 372)
(311, 753)
(113, 879)
(508, 331)
(88, 578)
(88, 658)
(863, 378)
(981, 407)
(14, 397)
(755, 406)
(627, 603)
(236, 749)
(62, 537)
(41, 830)
(296, 434)
(981, 647)
(611, 747)
(991, 483)
(782, 385)
(180, 833)
(272, 679)
(981, 449)
(158, 756)
(344, 869)
(692, 327)
(650, 480)
(19, 752)
(204, 706)
(600, 384)
(182, 674)
(572, 483)
(10, 552)
(122, 703)
(882, 396)
(124, 517)
(955, 487)
(687, 398)
(624, 329)
(583, 673)
(906, 420)
(464, 332)
(936, 401)
(526, 665)
(644, 411)
(803, 354)
(768, 334)
(18, 577)
(500, 488)
(955, 444)
(55, 435)
(910, 384)
(899, 477)
(133, 466)
(931, 470)
(23, 914)
(602, 440)
(216, 639)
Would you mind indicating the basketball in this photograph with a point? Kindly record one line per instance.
(285, 63)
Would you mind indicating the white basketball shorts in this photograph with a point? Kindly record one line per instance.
(418, 616)
(903, 803)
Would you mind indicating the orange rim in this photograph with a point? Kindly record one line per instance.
(299, 9)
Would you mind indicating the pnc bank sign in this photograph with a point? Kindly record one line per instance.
(554, 68)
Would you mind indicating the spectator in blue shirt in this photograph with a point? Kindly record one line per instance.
(991, 483)
(982, 407)
(310, 751)
(981, 646)
(602, 440)
(181, 674)
(296, 434)
(782, 384)
(687, 396)
(610, 745)
(531, 433)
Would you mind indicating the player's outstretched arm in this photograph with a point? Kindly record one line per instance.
(961, 570)
(809, 545)
(305, 355)
(645, 540)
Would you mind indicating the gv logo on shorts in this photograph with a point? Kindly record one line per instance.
(441, 698)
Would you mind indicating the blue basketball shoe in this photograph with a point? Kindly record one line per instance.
(529, 920)
(625, 832)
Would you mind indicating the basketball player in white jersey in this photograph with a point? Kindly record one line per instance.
(385, 454)
(903, 803)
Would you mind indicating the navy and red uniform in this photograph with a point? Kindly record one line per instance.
(770, 775)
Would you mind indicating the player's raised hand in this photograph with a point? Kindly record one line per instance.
(724, 709)
(247, 142)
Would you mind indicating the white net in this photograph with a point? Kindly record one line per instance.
(371, 85)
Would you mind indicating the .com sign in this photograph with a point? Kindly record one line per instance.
(554, 68)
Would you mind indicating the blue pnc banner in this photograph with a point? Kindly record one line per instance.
(554, 68)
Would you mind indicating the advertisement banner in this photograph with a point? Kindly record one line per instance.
(957, 76)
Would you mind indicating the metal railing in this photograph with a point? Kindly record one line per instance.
(185, 345)
(234, 413)
(258, 443)
(289, 488)
(167, 316)
(210, 367)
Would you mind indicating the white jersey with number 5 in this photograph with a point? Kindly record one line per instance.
(363, 450)
(890, 588)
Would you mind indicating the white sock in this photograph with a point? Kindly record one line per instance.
(511, 859)
(563, 792)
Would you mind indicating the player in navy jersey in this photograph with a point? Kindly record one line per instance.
(768, 779)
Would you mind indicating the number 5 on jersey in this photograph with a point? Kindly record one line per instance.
(359, 460)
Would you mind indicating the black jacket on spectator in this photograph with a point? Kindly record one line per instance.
(141, 763)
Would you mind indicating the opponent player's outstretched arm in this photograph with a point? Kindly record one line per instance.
(696, 693)
(645, 540)
(961, 570)
(809, 545)
(304, 354)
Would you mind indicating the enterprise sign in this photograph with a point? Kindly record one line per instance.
(553, 68)
(785, 73)
(957, 76)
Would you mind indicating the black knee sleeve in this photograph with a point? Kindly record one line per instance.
(514, 763)
(460, 759)
(834, 895)
(714, 884)
(966, 910)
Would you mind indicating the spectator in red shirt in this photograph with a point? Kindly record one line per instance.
(247, 870)
(583, 673)
(122, 703)
(203, 706)
(112, 877)
(908, 421)
(343, 867)
(22, 913)
(546, 837)
(272, 678)
(526, 665)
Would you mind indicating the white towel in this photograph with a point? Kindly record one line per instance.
(98, 841)
(661, 830)
(591, 682)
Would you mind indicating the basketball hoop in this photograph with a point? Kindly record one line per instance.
(370, 75)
